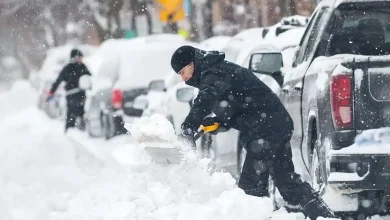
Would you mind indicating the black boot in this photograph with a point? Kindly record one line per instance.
(313, 207)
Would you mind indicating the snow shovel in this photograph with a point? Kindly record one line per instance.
(173, 155)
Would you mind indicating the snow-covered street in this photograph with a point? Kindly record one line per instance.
(46, 174)
(195, 110)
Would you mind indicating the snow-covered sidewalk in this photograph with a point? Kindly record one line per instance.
(47, 175)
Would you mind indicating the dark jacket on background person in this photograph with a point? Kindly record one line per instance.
(71, 74)
(238, 98)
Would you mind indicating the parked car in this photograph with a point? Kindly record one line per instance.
(337, 88)
(233, 47)
(128, 73)
(285, 24)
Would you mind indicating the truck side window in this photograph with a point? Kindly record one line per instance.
(309, 37)
(363, 32)
(314, 35)
(302, 45)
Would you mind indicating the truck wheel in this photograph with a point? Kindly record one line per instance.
(272, 193)
(316, 171)
(241, 155)
(108, 126)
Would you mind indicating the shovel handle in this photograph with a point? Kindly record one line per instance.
(205, 129)
(209, 128)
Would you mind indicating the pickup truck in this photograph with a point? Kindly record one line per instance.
(338, 87)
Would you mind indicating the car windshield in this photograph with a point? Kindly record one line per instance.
(361, 29)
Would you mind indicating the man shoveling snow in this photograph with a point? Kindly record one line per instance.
(241, 101)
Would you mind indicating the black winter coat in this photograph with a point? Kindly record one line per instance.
(238, 98)
(71, 74)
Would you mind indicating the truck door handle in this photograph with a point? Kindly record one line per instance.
(297, 88)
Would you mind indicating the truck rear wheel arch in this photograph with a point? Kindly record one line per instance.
(312, 137)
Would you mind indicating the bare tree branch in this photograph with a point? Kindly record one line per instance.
(10, 10)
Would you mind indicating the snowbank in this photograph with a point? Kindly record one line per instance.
(151, 129)
(14, 100)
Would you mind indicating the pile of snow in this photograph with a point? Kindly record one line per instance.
(152, 129)
(14, 100)
(374, 141)
(374, 136)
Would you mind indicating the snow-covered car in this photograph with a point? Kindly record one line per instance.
(130, 70)
(215, 43)
(92, 62)
(167, 104)
(157, 91)
(255, 36)
(285, 24)
(233, 47)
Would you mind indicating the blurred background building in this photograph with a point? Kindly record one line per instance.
(30, 27)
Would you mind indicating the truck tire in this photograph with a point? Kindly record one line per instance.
(241, 154)
(315, 171)
(108, 126)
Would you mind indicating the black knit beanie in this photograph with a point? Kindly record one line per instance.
(75, 52)
(183, 56)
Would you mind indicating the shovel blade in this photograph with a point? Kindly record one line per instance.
(164, 155)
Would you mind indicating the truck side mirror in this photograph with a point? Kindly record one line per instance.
(185, 95)
(267, 64)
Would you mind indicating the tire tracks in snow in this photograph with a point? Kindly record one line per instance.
(89, 161)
